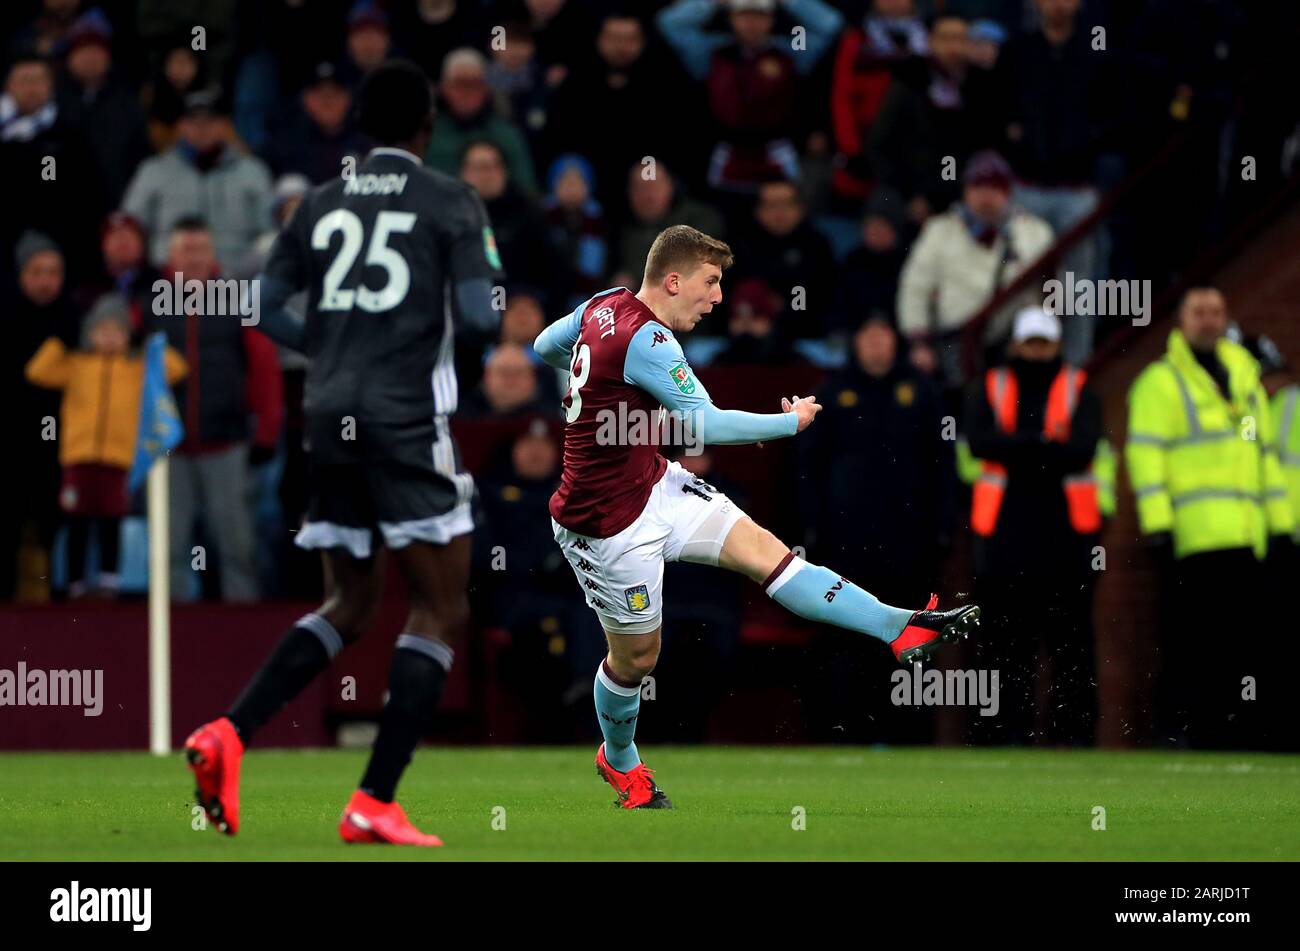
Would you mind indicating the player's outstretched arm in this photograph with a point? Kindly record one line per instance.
(656, 363)
(555, 344)
(804, 407)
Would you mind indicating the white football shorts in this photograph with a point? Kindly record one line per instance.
(622, 577)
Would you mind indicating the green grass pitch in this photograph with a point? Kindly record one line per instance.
(731, 803)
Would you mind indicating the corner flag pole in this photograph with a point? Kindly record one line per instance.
(160, 664)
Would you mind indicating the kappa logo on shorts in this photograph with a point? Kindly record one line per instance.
(638, 598)
(687, 487)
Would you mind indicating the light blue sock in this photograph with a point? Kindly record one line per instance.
(819, 594)
(617, 707)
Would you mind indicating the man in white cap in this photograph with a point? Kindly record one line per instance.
(1035, 515)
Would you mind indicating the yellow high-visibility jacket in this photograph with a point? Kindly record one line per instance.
(1205, 467)
(1286, 436)
(1105, 467)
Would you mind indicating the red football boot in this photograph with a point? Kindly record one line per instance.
(929, 629)
(636, 788)
(213, 752)
(366, 819)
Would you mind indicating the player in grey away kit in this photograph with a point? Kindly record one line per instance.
(394, 257)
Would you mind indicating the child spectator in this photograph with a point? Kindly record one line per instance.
(98, 424)
(577, 224)
(986, 39)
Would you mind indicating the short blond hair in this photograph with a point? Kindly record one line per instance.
(683, 248)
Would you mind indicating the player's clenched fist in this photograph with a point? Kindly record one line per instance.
(806, 407)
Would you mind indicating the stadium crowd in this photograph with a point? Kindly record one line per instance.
(881, 168)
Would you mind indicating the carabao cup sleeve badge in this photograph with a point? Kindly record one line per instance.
(681, 375)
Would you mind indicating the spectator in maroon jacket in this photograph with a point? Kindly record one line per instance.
(234, 375)
(753, 78)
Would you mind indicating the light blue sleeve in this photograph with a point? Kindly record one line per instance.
(555, 344)
(823, 23)
(655, 362)
(682, 27)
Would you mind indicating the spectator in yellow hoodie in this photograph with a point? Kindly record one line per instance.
(98, 423)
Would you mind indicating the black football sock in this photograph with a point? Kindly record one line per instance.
(304, 652)
(419, 670)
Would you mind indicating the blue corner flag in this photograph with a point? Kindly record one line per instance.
(160, 423)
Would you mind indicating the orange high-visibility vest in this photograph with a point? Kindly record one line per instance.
(1080, 488)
